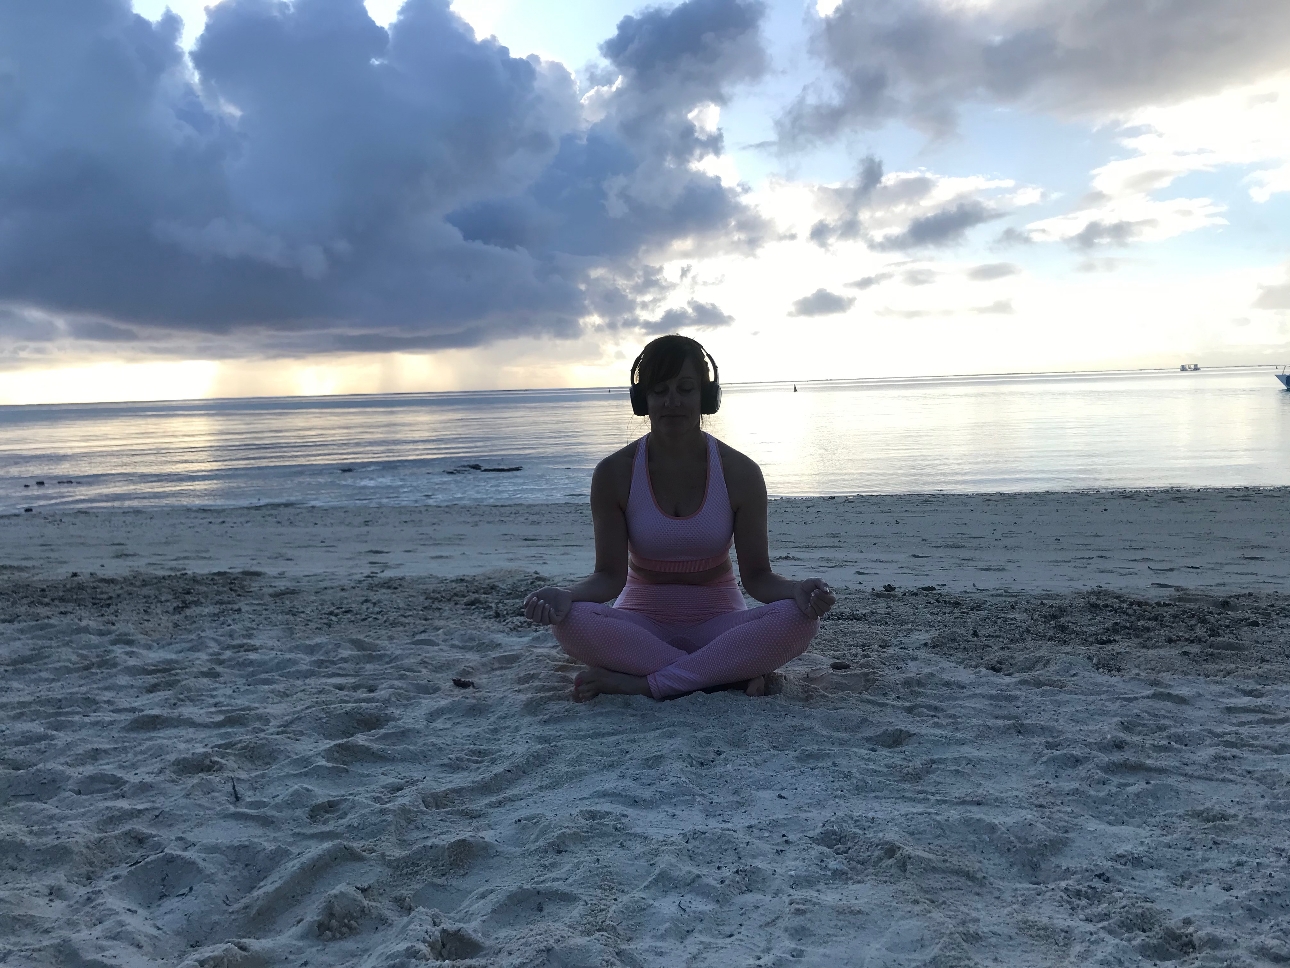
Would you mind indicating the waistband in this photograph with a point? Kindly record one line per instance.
(689, 566)
(671, 604)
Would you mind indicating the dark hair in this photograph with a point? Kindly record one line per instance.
(662, 359)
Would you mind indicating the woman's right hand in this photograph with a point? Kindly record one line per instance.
(548, 606)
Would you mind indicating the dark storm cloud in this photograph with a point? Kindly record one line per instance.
(316, 182)
(920, 60)
(698, 47)
(992, 270)
(822, 303)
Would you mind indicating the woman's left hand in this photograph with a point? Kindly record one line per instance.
(814, 597)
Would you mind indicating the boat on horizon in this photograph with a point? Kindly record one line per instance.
(1189, 367)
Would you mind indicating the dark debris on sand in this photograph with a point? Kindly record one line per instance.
(1186, 633)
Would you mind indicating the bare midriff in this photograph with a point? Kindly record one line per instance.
(705, 577)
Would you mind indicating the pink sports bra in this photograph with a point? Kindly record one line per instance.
(661, 543)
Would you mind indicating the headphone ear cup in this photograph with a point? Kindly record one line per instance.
(635, 390)
(640, 405)
(711, 400)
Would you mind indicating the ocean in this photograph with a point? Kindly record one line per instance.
(1213, 428)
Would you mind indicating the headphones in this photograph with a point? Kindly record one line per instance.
(709, 397)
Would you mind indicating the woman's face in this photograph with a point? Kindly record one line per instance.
(675, 405)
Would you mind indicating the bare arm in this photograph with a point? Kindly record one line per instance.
(609, 489)
(747, 488)
(609, 521)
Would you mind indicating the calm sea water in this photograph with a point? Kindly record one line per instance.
(1212, 428)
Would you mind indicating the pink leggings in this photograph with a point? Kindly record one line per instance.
(678, 658)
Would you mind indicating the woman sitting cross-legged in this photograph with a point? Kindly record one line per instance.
(665, 510)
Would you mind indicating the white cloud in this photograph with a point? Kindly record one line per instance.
(1243, 126)
(1126, 219)
(1269, 182)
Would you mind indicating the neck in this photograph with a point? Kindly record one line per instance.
(677, 444)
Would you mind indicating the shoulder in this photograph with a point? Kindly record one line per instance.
(743, 474)
(613, 475)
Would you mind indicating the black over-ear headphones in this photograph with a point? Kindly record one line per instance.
(709, 398)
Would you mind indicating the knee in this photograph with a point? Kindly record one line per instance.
(573, 631)
(799, 629)
(787, 612)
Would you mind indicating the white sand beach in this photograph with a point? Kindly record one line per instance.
(1038, 729)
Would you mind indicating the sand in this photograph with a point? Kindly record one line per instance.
(234, 739)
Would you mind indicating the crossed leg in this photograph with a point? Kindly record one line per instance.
(629, 652)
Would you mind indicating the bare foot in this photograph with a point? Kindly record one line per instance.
(756, 687)
(589, 684)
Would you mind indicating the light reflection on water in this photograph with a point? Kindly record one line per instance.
(1213, 428)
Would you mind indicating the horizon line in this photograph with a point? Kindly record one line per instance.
(616, 386)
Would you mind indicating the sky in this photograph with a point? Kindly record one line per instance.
(261, 197)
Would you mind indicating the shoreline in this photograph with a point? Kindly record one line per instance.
(1128, 540)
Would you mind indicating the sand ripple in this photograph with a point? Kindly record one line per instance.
(232, 771)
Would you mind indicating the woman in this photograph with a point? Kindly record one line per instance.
(665, 510)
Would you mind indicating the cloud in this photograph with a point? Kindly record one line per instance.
(695, 315)
(1100, 264)
(907, 313)
(698, 47)
(1011, 237)
(992, 270)
(822, 303)
(1001, 307)
(1274, 297)
(1097, 233)
(868, 282)
(909, 210)
(919, 277)
(920, 60)
(946, 227)
(311, 181)
(1127, 219)
(848, 199)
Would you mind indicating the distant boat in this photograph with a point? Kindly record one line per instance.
(1189, 367)
(794, 387)
(1284, 377)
